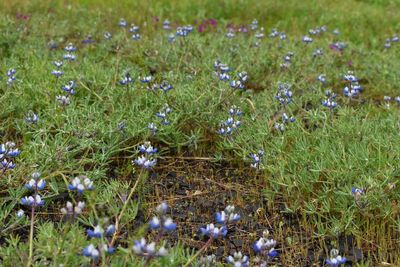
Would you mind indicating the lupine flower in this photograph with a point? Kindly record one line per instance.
(387, 44)
(318, 52)
(52, 45)
(338, 46)
(148, 250)
(166, 25)
(134, 28)
(171, 37)
(107, 249)
(126, 80)
(240, 83)
(232, 123)
(135, 36)
(335, 260)
(20, 213)
(274, 33)
(336, 32)
(70, 48)
(227, 216)
(32, 201)
(307, 39)
(235, 111)
(357, 192)
(69, 56)
(146, 161)
(163, 114)
(254, 25)
(256, 158)
(265, 247)
(69, 88)
(184, 31)
(107, 35)
(57, 73)
(238, 260)
(99, 232)
(72, 211)
(58, 64)
(122, 22)
(88, 40)
(397, 99)
(165, 86)
(35, 183)
(230, 34)
(152, 127)
(214, 232)
(284, 94)
(147, 148)
(322, 78)
(285, 120)
(63, 100)
(162, 220)
(259, 35)
(80, 184)
(146, 79)
(7, 153)
(91, 251)
(32, 117)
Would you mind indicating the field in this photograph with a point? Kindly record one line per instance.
(275, 122)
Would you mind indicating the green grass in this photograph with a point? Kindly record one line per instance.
(307, 172)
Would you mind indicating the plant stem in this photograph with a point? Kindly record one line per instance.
(31, 237)
(124, 208)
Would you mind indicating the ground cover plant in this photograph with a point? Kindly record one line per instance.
(210, 133)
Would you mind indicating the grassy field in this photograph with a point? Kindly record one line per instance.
(324, 186)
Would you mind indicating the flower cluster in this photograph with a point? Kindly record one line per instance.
(8, 152)
(70, 49)
(353, 88)
(238, 260)
(214, 232)
(240, 82)
(32, 117)
(163, 224)
(317, 30)
(146, 160)
(287, 60)
(163, 114)
(265, 249)
(126, 80)
(329, 101)
(134, 29)
(256, 158)
(285, 120)
(184, 31)
(161, 221)
(99, 232)
(335, 260)
(11, 78)
(284, 94)
(222, 70)
(72, 211)
(227, 216)
(228, 126)
(275, 33)
(35, 184)
(388, 42)
(80, 184)
(322, 78)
